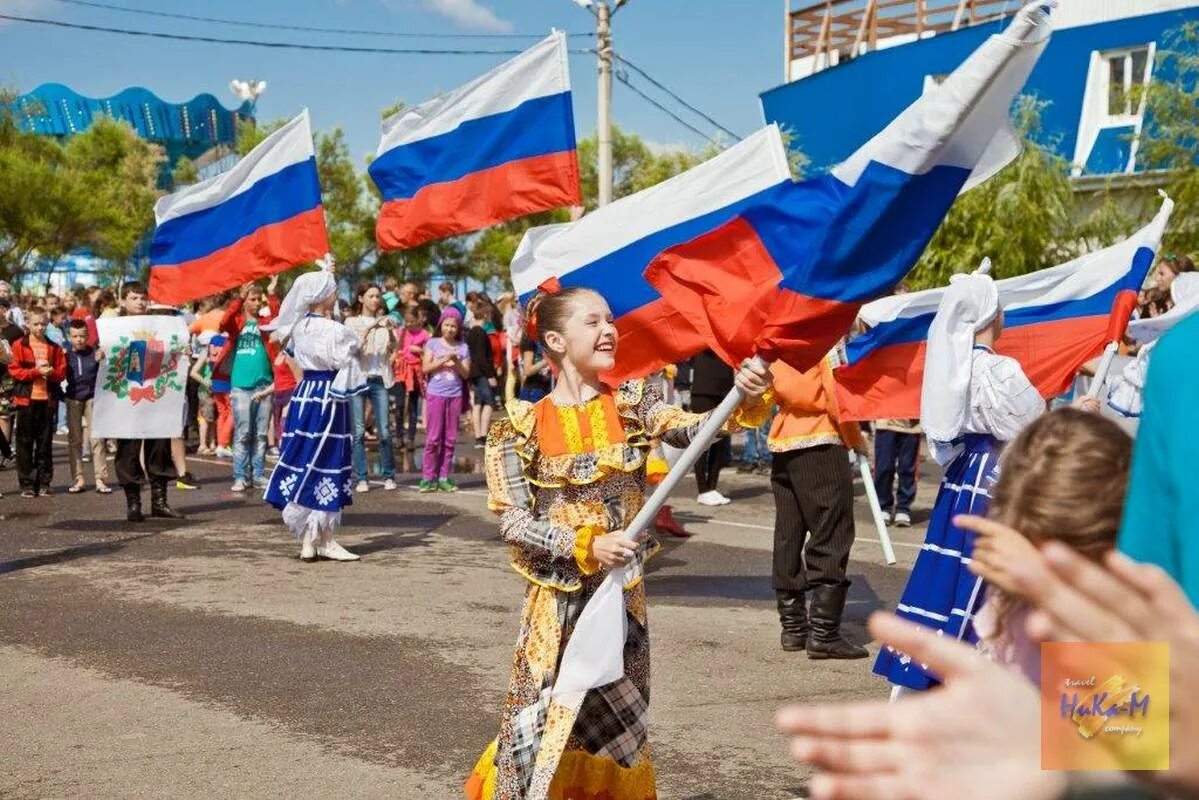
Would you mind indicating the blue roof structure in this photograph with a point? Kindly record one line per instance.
(833, 111)
(56, 110)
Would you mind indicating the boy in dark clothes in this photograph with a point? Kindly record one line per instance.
(83, 366)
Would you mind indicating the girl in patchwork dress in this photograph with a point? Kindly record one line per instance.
(313, 480)
(567, 475)
(972, 402)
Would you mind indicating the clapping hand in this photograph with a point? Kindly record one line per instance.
(978, 736)
(1120, 600)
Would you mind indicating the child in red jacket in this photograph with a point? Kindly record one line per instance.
(38, 368)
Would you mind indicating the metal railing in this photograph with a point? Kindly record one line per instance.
(833, 31)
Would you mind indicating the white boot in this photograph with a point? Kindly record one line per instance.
(308, 546)
(333, 551)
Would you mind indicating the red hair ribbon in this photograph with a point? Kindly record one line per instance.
(549, 286)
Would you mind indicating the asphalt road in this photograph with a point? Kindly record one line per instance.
(201, 658)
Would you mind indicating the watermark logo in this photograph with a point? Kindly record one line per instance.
(1105, 706)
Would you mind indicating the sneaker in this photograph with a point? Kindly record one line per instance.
(389, 485)
(28, 494)
(712, 498)
(224, 452)
(902, 519)
(480, 442)
(764, 468)
(446, 485)
(45, 491)
(187, 481)
(746, 467)
(363, 487)
(63, 431)
(427, 486)
(238, 486)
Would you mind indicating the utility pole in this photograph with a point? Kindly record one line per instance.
(603, 13)
(603, 47)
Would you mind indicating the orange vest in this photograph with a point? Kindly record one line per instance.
(808, 414)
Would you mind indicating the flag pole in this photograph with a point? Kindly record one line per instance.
(876, 509)
(1105, 367)
(702, 441)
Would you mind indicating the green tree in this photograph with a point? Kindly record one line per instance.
(185, 172)
(119, 171)
(1021, 218)
(1170, 138)
(96, 190)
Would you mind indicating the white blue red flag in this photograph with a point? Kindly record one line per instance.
(786, 277)
(1055, 320)
(261, 217)
(609, 249)
(499, 147)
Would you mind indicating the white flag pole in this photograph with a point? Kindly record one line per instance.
(1105, 367)
(702, 441)
(876, 509)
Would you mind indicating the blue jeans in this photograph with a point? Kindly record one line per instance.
(377, 393)
(755, 443)
(251, 418)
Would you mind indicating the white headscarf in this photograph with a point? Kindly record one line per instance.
(309, 289)
(970, 304)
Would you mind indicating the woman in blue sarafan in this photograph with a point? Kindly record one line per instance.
(313, 480)
(972, 401)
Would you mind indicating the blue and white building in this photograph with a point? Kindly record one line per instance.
(852, 65)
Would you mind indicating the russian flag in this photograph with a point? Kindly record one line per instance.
(786, 277)
(1055, 320)
(259, 218)
(609, 249)
(499, 147)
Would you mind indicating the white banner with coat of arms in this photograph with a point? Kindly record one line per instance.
(141, 387)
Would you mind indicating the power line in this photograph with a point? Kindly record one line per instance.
(677, 99)
(273, 45)
(306, 28)
(625, 80)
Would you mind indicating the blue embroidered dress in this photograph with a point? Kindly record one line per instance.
(313, 480)
(941, 592)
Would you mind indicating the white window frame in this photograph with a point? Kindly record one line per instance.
(1095, 117)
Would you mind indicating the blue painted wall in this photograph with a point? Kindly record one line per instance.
(834, 112)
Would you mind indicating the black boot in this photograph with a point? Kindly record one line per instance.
(793, 616)
(133, 503)
(825, 641)
(159, 507)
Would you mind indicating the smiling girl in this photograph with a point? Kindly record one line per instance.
(567, 476)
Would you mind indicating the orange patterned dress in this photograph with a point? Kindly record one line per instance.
(558, 476)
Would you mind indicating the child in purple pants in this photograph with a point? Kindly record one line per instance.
(446, 362)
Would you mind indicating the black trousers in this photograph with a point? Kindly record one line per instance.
(716, 457)
(36, 423)
(159, 464)
(813, 526)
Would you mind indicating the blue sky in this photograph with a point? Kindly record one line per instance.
(716, 54)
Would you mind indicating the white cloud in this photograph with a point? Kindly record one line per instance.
(25, 8)
(470, 14)
(667, 148)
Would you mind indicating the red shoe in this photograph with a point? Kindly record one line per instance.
(666, 523)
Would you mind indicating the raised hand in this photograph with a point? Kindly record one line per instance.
(977, 736)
